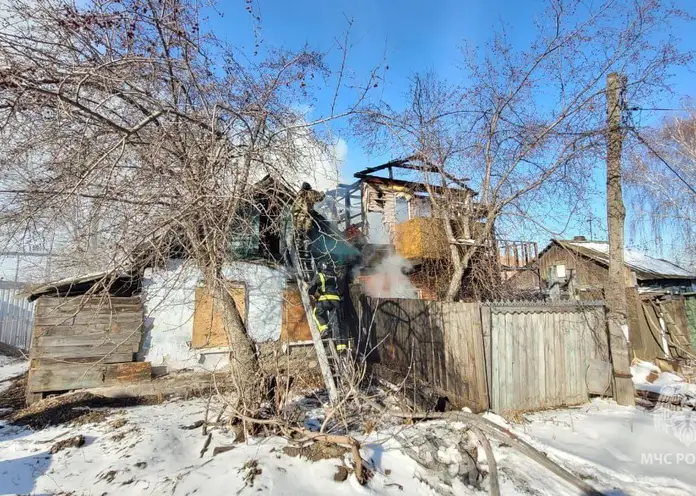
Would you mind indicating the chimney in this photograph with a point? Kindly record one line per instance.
(579, 238)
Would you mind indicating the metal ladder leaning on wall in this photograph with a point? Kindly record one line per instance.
(328, 359)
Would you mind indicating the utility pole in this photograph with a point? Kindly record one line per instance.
(615, 290)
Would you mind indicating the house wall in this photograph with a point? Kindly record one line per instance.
(588, 274)
(170, 298)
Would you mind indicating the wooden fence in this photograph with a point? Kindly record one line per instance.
(539, 355)
(435, 342)
(502, 356)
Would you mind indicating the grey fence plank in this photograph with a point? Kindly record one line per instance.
(539, 353)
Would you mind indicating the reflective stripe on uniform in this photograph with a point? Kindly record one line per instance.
(341, 347)
(320, 326)
(322, 278)
(329, 297)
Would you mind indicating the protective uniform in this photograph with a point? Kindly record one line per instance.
(324, 286)
(303, 205)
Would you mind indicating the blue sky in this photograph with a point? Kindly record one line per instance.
(411, 36)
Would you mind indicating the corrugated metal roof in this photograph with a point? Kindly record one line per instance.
(644, 266)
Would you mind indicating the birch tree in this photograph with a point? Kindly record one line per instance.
(661, 177)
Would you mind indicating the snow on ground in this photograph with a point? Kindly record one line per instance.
(151, 454)
(670, 387)
(620, 448)
(9, 369)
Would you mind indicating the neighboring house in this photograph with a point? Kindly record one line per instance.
(655, 289)
(582, 268)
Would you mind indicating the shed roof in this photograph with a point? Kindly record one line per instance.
(645, 266)
(110, 280)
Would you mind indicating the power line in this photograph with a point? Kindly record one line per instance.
(654, 152)
(640, 109)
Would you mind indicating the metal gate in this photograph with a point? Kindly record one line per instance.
(16, 316)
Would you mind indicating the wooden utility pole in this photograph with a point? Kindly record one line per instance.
(615, 290)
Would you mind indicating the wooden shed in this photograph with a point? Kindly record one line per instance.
(86, 332)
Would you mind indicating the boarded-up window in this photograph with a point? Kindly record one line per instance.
(208, 329)
(295, 326)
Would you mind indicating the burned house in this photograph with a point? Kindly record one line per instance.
(98, 329)
(393, 210)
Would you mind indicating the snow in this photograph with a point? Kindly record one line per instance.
(618, 448)
(604, 444)
(638, 261)
(9, 369)
(153, 435)
(668, 385)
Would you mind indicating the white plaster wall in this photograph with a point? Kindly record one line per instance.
(169, 306)
(265, 286)
(169, 298)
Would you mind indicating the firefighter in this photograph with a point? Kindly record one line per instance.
(303, 206)
(324, 286)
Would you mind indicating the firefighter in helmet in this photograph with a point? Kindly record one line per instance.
(303, 206)
(324, 286)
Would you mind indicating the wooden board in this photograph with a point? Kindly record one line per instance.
(294, 326)
(114, 303)
(87, 340)
(83, 342)
(208, 328)
(112, 358)
(58, 377)
(88, 329)
(85, 351)
(127, 373)
(88, 319)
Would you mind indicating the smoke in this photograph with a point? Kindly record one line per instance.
(389, 279)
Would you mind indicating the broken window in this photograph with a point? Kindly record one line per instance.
(245, 235)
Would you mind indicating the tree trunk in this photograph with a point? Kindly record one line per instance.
(244, 364)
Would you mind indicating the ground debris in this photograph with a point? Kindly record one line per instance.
(109, 476)
(118, 423)
(252, 470)
(221, 449)
(195, 425)
(71, 442)
(341, 474)
(14, 397)
(317, 451)
(76, 409)
(446, 451)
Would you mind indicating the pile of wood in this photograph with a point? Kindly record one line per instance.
(84, 342)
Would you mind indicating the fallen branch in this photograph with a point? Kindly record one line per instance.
(343, 440)
(492, 465)
(206, 444)
(508, 437)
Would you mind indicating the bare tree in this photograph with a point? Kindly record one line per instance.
(661, 176)
(525, 126)
(130, 117)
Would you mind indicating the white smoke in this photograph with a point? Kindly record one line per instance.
(390, 281)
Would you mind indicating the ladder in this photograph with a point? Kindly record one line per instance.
(302, 261)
